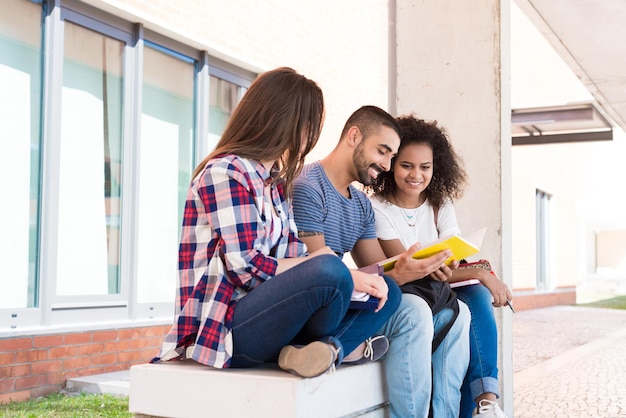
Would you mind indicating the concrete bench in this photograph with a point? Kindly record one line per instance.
(189, 389)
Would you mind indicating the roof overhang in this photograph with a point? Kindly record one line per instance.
(590, 37)
(555, 124)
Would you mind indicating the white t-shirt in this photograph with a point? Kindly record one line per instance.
(392, 222)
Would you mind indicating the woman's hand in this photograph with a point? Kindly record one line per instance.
(372, 284)
(499, 290)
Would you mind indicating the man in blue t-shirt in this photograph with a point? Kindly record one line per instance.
(330, 210)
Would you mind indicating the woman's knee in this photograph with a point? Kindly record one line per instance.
(476, 295)
(331, 270)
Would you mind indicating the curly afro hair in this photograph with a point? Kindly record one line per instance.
(449, 177)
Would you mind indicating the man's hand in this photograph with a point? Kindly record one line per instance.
(371, 284)
(408, 268)
(444, 272)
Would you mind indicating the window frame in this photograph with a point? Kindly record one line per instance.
(96, 310)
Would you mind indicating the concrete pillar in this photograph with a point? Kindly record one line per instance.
(451, 63)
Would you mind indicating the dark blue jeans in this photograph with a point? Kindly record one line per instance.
(308, 302)
(482, 374)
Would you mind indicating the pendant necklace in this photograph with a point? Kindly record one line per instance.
(410, 218)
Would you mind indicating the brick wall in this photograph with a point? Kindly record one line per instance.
(38, 365)
(525, 300)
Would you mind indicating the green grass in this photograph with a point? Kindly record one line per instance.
(68, 406)
(618, 302)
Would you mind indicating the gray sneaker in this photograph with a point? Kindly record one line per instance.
(375, 348)
(310, 360)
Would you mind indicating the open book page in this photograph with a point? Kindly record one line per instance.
(461, 248)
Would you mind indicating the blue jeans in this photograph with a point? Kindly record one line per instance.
(413, 372)
(306, 303)
(482, 374)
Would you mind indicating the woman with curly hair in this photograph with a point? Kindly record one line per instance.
(413, 202)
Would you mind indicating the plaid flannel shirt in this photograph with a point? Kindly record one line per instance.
(224, 251)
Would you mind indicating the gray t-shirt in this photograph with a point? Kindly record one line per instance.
(319, 207)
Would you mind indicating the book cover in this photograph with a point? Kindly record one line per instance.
(462, 283)
(369, 302)
(460, 247)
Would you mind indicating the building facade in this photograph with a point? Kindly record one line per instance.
(107, 106)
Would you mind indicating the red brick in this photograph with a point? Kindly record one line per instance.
(48, 341)
(563, 296)
(113, 368)
(90, 371)
(129, 333)
(16, 344)
(117, 346)
(7, 358)
(63, 352)
(132, 333)
(31, 356)
(76, 363)
(78, 338)
(100, 336)
(139, 343)
(104, 359)
(148, 354)
(7, 385)
(130, 356)
(43, 367)
(70, 374)
(14, 397)
(55, 378)
(117, 367)
(30, 382)
(89, 349)
(15, 371)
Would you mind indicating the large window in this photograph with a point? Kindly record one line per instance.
(20, 151)
(102, 123)
(90, 164)
(165, 164)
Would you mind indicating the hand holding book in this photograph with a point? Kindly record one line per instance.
(460, 247)
(362, 300)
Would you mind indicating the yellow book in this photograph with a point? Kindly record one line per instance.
(460, 247)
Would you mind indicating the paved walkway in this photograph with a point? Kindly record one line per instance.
(569, 362)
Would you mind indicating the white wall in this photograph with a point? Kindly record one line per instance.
(581, 176)
(340, 45)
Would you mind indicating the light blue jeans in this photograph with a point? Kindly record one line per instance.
(412, 373)
(482, 374)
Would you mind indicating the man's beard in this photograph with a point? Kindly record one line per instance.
(362, 166)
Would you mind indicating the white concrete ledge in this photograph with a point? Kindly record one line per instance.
(188, 389)
(114, 383)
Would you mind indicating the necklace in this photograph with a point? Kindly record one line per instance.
(410, 217)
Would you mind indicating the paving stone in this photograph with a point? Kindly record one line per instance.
(578, 358)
